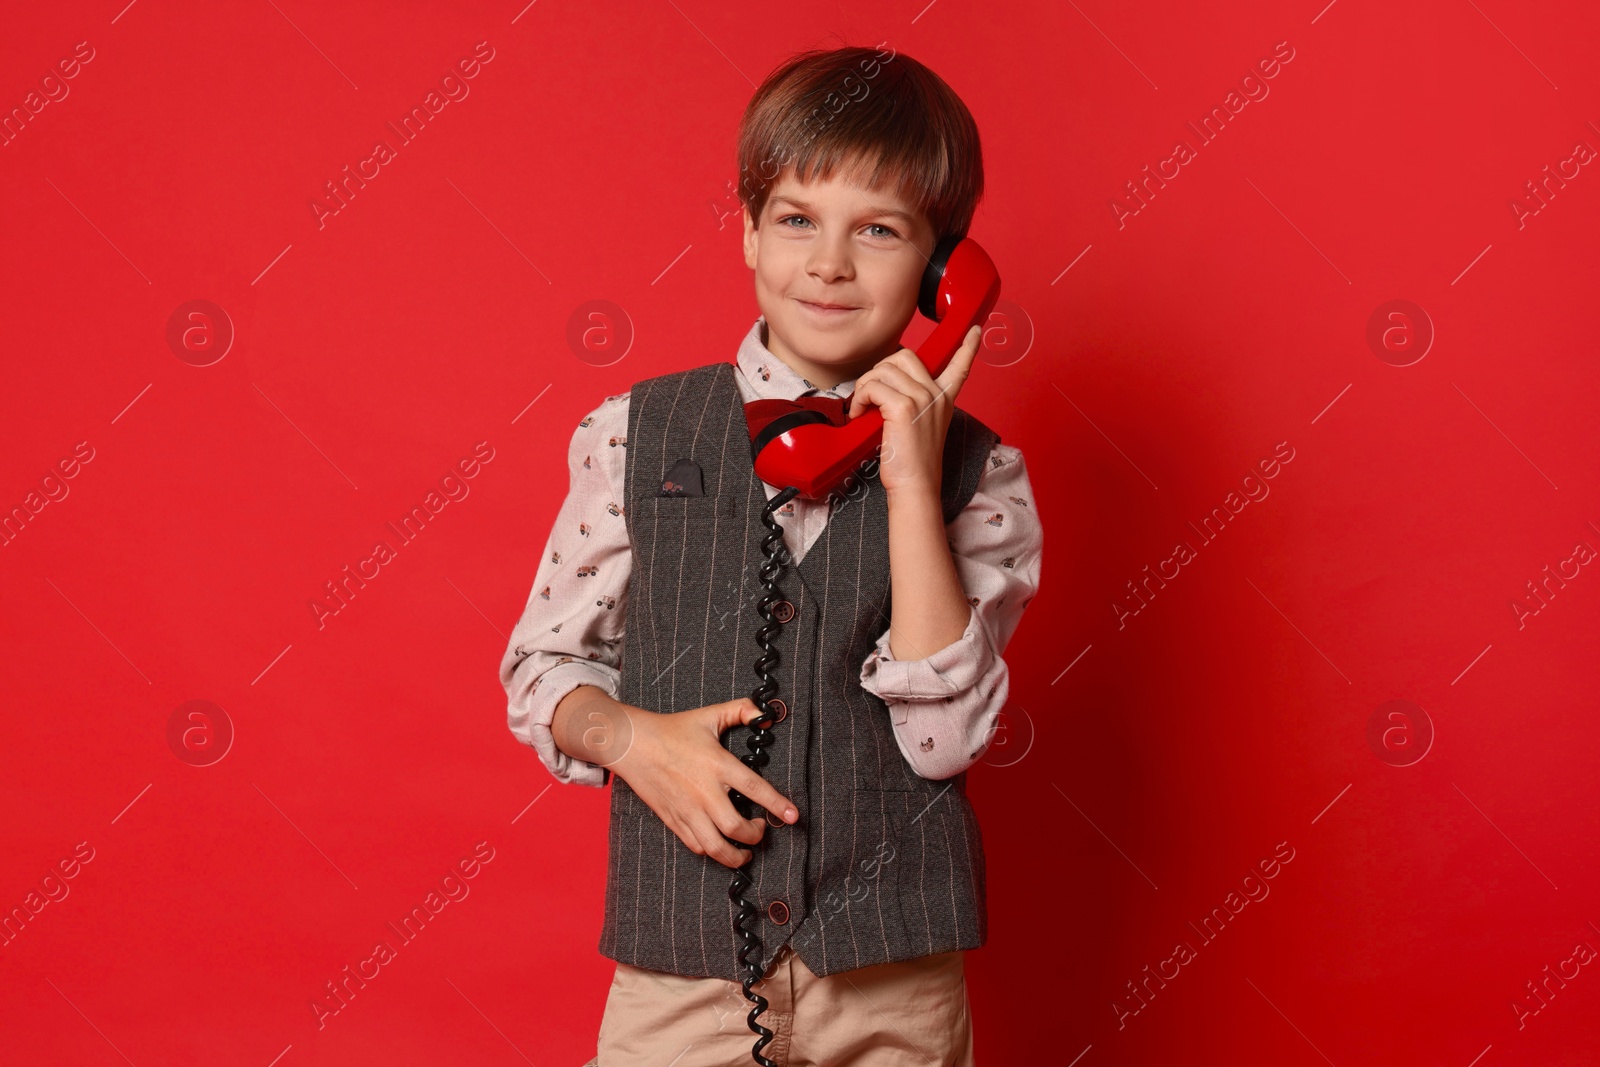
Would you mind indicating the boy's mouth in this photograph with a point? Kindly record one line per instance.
(826, 311)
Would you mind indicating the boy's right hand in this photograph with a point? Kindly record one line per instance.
(677, 765)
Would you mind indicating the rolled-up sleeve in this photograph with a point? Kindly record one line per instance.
(945, 707)
(571, 629)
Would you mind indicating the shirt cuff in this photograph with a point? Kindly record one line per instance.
(553, 686)
(940, 677)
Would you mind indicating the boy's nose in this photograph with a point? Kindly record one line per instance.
(829, 263)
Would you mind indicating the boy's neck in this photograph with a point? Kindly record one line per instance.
(821, 375)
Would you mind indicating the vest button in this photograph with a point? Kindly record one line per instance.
(780, 710)
(783, 611)
(778, 912)
(774, 820)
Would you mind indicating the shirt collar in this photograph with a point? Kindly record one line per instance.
(772, 378)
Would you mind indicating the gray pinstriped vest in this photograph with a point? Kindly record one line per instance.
(883, 865)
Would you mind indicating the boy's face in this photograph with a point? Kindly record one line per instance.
(835, 242)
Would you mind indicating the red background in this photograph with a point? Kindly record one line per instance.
(1146, 767)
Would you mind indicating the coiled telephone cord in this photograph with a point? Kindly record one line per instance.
(760, 737)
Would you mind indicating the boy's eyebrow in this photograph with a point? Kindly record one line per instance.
(886, 212)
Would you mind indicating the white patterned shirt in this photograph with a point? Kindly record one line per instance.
(944, 707)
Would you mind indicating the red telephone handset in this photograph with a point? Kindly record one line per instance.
(813, 444)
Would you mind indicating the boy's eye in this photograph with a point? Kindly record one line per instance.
(886, 231)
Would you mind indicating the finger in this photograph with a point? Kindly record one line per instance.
(716, 846)
(912, 364)
(885, 396)
(690, 839)
(733, 825)
(910, 401)
(962, 362)
(961, 365)
(922, 391)
(863, 382)
(762, 792)
(864, 396)
(736, 713)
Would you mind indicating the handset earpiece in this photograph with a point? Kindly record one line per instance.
(959, 289)
(927, 296)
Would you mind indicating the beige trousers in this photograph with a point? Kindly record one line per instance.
(907, 1014)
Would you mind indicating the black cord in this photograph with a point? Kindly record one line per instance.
(759, 738)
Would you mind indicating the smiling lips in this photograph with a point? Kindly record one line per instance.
(827, 311)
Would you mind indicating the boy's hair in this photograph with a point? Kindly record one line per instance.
(864, 112)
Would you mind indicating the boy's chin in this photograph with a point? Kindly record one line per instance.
(842, 342)
(832, 348)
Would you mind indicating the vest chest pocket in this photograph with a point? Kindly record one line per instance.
(651, 518)
(676, 542)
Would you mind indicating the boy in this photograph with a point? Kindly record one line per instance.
(868, 867)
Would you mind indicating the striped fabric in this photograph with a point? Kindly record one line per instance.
(883, 865)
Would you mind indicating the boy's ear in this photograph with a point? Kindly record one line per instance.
(749, 240)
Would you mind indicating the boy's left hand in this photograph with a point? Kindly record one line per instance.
(917, 409)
